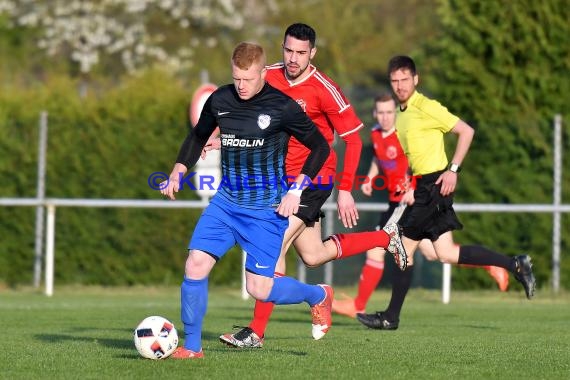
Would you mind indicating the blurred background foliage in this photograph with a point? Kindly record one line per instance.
(116, 77)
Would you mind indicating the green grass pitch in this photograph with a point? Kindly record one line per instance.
(86, 333)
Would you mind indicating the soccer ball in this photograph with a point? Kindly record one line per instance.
(155, 338)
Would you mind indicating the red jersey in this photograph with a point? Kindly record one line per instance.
(323, 101)
(392, 161)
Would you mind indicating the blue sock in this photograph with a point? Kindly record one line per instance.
(287, 290)
(193, 305)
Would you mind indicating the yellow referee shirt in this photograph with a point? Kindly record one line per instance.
(421, 127)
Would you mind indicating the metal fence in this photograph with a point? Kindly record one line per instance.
(51, 204)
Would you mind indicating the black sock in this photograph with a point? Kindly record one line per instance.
(400, 286)
(481, 256)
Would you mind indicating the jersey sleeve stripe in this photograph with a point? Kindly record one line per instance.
(278, 65)
(352, 130)
(333, 91)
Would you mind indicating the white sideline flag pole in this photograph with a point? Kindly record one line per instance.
(50, 238)
(557, 201)
(446, 286)
(40, 195)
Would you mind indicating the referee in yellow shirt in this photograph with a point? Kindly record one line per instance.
(421, 124)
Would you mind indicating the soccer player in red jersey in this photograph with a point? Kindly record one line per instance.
(389, 170)
(326, 105)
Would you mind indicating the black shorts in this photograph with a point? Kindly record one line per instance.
(312, 199)
(432, 214)
(386, 215)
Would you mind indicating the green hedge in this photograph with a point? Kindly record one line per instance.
(502, 66)
(107, 144)
(102, 146)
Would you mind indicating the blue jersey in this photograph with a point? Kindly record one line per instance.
(254, 134)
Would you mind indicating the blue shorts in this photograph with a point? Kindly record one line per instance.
(258, 232)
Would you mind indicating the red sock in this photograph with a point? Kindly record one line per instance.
(352, 244)
(261, 314)
(369, 278)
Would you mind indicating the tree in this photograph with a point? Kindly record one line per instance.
(503, 67)
(355, 39)
(134, 32)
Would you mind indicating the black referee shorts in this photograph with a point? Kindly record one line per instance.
(312, 199)
(432, 214)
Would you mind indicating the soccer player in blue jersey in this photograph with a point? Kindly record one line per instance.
(252, 205)
(324, 102)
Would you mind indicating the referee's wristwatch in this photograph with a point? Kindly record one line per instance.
(454, 168)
